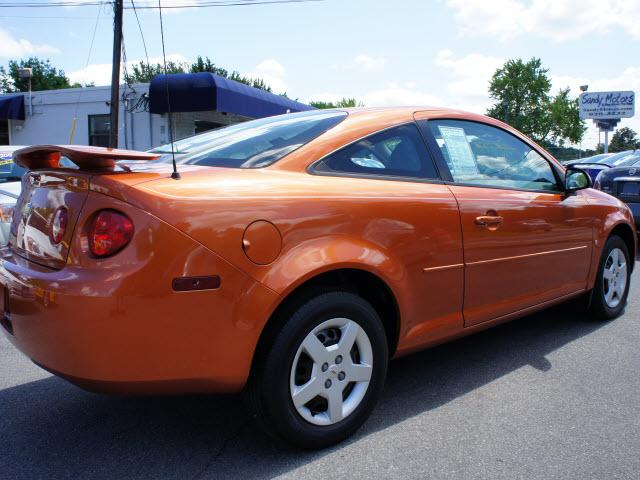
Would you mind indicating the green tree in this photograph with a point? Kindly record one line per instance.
(624, 139)
(521, 91)
(205, 65)
(6, 83)
(144, 73)
(44, 76)
(342, 103)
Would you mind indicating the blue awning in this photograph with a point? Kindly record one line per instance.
(12, 107)
(199, 92)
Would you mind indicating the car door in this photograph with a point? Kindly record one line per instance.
(414, 216)
(526, 241)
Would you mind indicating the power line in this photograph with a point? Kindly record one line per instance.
(144, 43)
(75, 115)
(147, 6)
(48, 17)
(53, 4)
(223, 3)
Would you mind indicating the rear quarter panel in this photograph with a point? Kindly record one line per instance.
(393, 229)
(121, 316)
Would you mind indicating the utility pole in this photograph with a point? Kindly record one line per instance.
(115, 73)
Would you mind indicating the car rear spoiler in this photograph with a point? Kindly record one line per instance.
(86, 158)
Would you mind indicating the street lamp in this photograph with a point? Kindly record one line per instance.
(26, 74)
(583, 88)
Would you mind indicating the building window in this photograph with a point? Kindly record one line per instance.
(4, 132)
(99, 130)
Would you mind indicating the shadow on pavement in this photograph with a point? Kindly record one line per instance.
(51, 429)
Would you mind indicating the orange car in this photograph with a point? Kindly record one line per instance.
(297, 254)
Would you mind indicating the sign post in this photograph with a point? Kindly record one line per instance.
(606, 109)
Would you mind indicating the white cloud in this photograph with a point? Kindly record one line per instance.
(363, 62)
(100, 73)
(400, 96)
(471, 73)
(177, 3)
(11, 47)
(558, 20)
(370, 63)
(393, 95)
(467, 86)
(176, 6)
(628, 79)
(272, 72)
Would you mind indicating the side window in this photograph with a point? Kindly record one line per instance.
(480, 154)
(396, 152)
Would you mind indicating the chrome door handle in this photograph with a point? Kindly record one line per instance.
(489, 220)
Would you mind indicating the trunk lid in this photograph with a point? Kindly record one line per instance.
(31, 230)
(51, 187)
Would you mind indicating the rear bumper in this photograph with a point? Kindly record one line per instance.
(120, 327)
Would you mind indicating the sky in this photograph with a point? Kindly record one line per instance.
(382, 52)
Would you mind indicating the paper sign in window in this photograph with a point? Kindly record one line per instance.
(462, 161)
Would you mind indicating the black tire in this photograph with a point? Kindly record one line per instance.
(268, 393)
(599, 309)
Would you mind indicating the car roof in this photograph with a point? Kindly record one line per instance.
(617, 156)
(364, 121)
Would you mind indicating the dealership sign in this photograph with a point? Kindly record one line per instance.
(602, 105)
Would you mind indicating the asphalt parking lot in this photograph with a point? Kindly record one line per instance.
(548, 396)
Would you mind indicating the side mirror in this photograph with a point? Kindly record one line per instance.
(576, 179)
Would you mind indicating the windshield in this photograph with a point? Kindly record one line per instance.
(253, 144)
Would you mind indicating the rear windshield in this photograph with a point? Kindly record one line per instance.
(626, 160)
(252, 144)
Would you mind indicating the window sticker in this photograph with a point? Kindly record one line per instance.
(367, 162)
(462, 161)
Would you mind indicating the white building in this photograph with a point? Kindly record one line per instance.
(80, 116)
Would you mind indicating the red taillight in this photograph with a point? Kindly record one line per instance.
(59, 224)
(110, 232)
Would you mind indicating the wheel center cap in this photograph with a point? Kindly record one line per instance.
(333, 371)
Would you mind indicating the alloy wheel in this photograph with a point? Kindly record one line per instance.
(331, 371)
(614, 278)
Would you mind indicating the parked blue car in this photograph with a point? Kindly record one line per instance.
(623, 182)
(598, 163)
(9, 171)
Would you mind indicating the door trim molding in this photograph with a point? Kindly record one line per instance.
(528, 255)
(443, 267)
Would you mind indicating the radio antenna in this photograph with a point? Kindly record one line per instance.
(175, 175)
